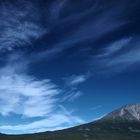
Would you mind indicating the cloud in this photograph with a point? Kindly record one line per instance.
(51, 123)
(116, 46)
(74, 27)
(18, 26)
(91, 27)
(25, 95)
(28, 97)
(119, 55)
(71, 90)
(72, 95)
(55, 121)
(76, 79)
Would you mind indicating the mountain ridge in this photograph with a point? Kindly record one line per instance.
(129, 112)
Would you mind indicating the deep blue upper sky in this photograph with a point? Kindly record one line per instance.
(66, 62)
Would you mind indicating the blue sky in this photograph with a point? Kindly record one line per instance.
(66, 62)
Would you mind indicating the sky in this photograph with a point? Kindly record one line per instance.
(66, 62)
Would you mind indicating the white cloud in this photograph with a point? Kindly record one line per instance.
(55, 121)
(119, 55)
(72, 95)
(71, 90)
(18, 26)
(116, 46)
(51, 123)
(76, 79)
(24, 95)
(28, 97)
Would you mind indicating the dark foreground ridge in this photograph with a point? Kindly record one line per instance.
(121, 124)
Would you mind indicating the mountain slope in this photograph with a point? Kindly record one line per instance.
(121, 124)
(126, 113)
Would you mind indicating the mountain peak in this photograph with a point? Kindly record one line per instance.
(129, 112)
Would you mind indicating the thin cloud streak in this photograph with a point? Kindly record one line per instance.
(72, 95)
(116, 47)
(76, 79)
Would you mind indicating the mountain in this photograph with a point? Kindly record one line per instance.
(121, 124)
(126, 113)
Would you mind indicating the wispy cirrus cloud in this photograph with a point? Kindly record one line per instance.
(116, 46)
(54, 122)
(72, 91)
(80, 26)
(72, 95)
(76, 79)
(18, 26)
(25, 95)
(118, 55)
